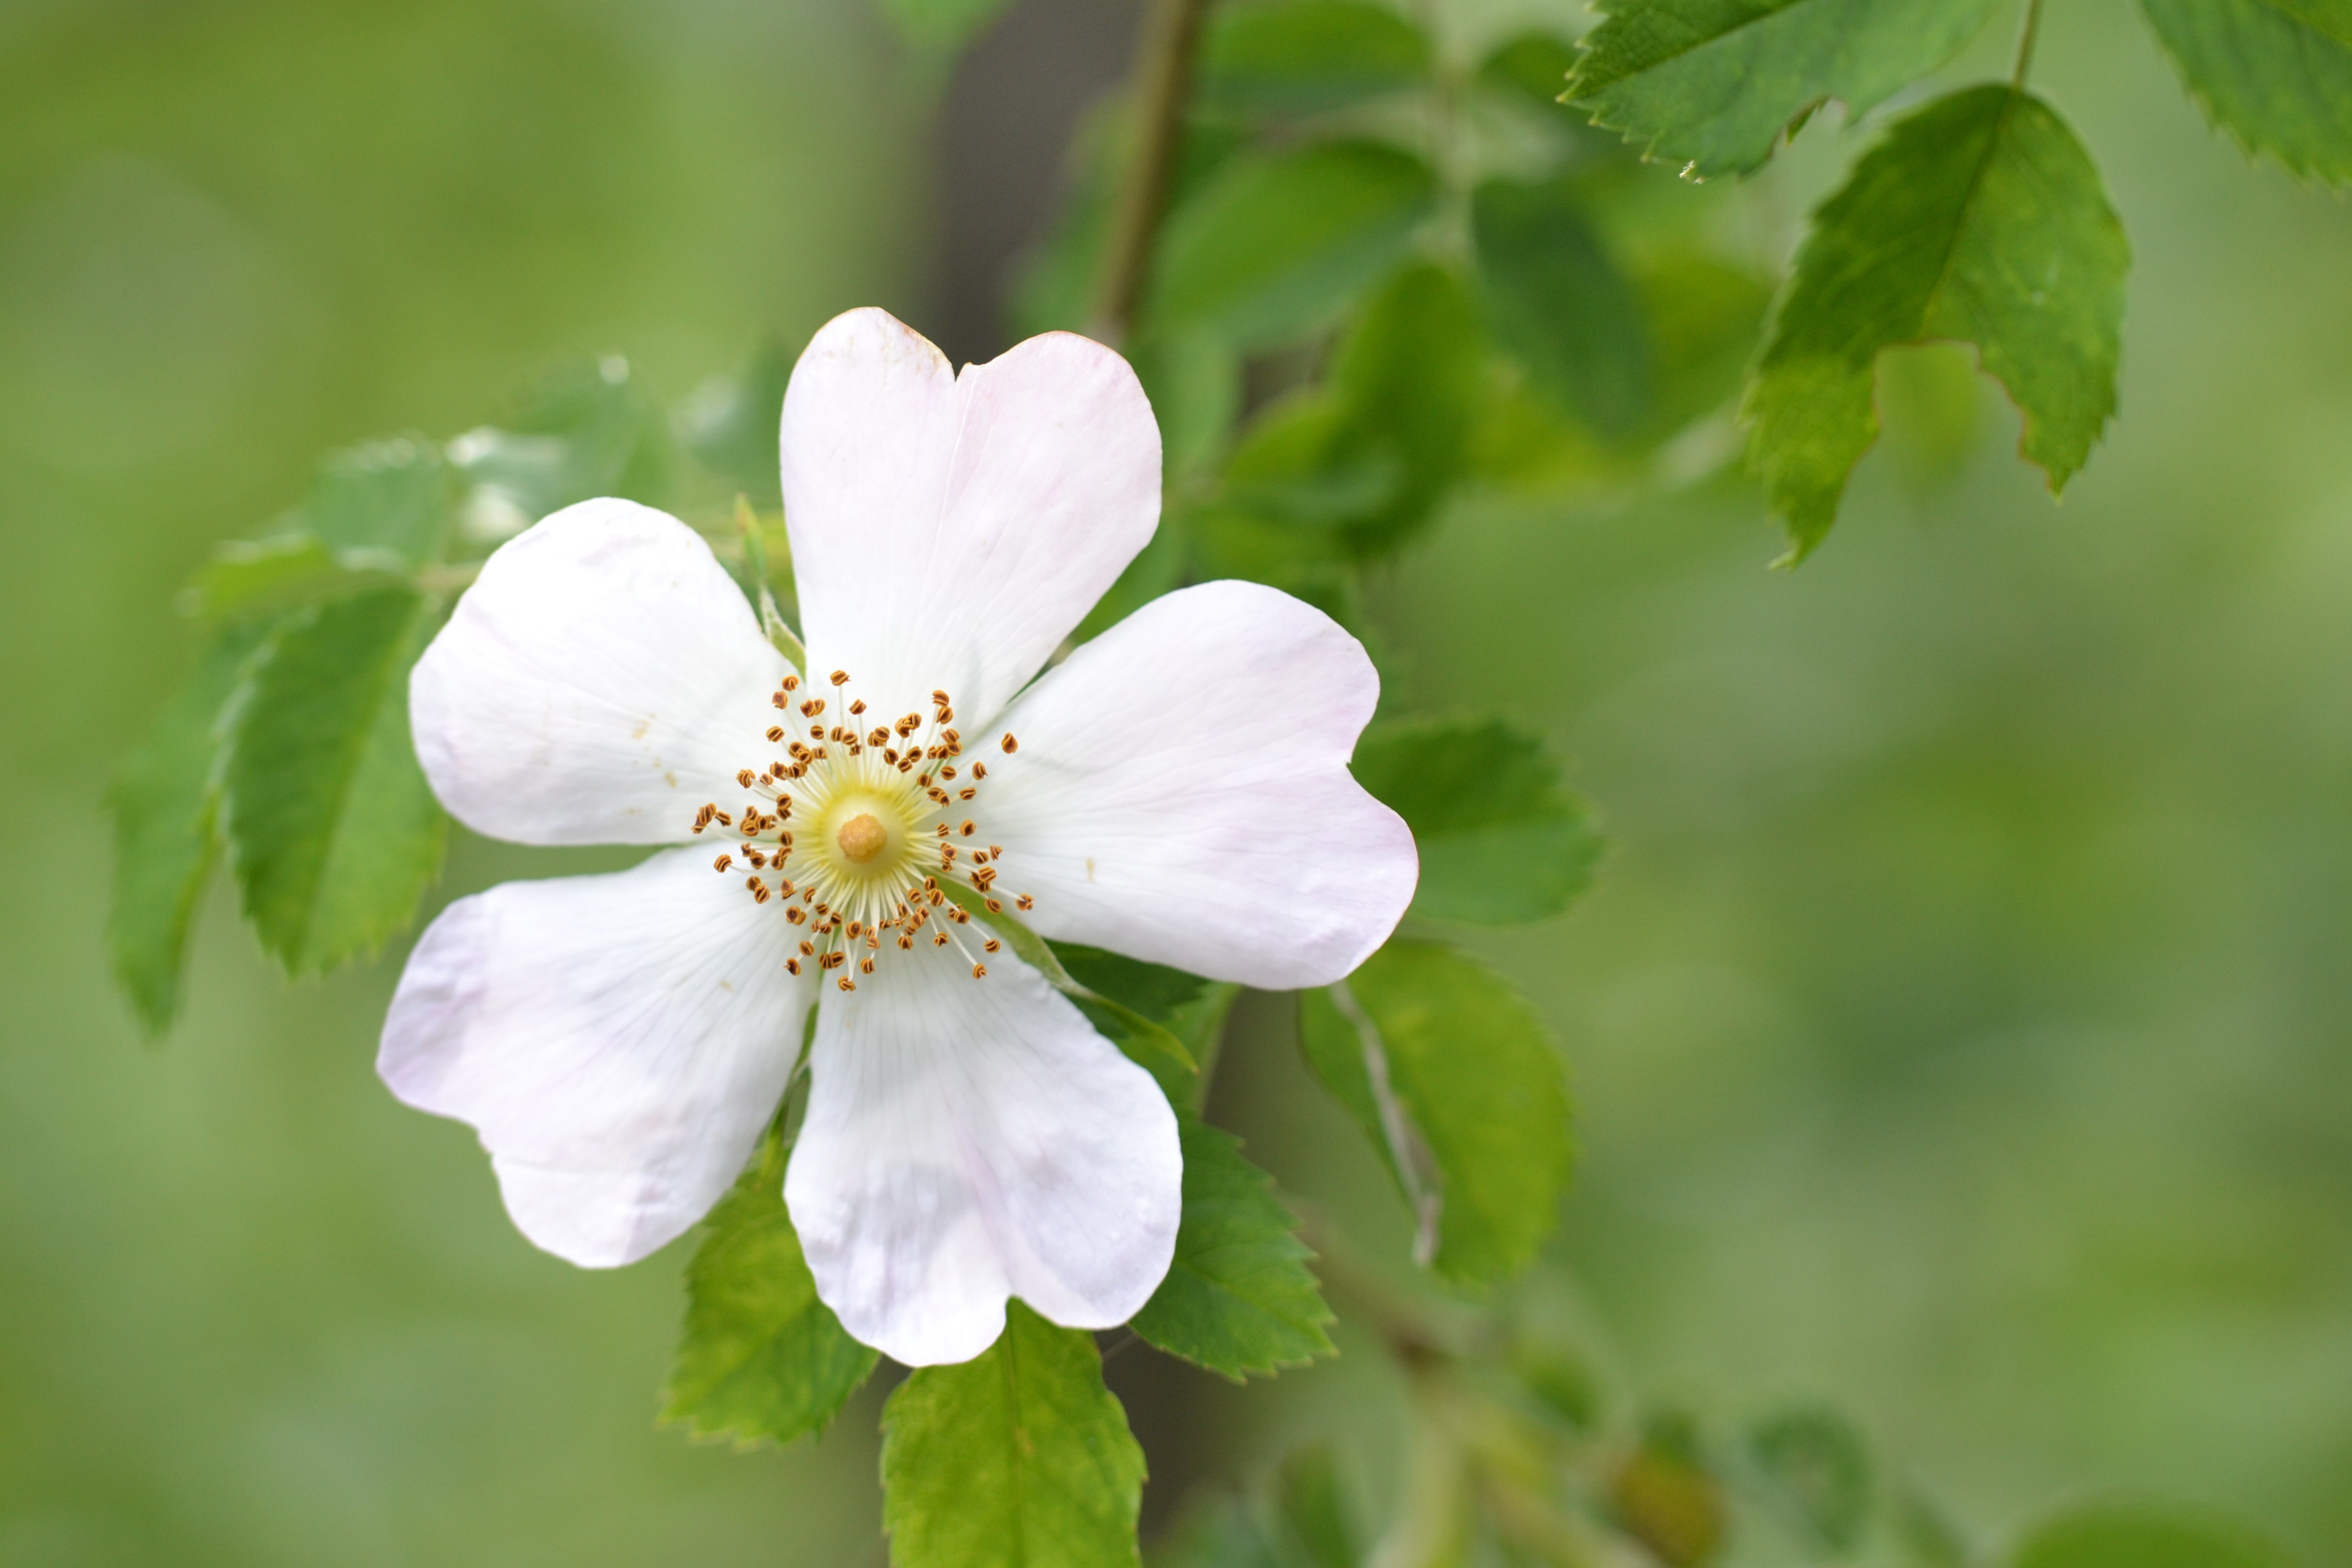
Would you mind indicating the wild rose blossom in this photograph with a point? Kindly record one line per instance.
(1175, 790)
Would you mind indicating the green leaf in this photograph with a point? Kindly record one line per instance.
(1710, 84)
(1239, 1298)
(1370, 455)
(944, 25)
(283, 573)
(2117, 1536)
(1306, 57)
(1019, 1459)
(1276, 247)
(762, 1360)
(1500, 839)
(386, 503)
(587, 431)
(333, 832)
(729, 424)
(1533, 67)
(1979, 218)
(1453, 1079)
(2275, 73)
(1215, 1531)
(166, 804)
(1818, 1466)
(1312, 1505)
(1558, 304)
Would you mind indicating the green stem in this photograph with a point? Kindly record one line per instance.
(2025, 44)
(1163, 86)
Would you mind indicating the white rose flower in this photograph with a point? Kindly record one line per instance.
(1176, 789)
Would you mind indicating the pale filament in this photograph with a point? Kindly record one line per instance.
(886, 818)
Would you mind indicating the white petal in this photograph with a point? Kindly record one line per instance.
(949, 531)
(1181, 793)
(970, 1140)
(618, 1041)
(602, 680)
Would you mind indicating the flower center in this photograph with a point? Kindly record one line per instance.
(892, 834)
(862, 837)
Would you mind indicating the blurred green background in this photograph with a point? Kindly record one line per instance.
(1960, 1022)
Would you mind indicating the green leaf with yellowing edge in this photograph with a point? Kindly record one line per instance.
(1711, 84)
(166, 807)
(1980, 220)
(333, 833)
(1501, 840)
(2277, 74)
(762, 1360)
(1239, 1298)
(1018, 1458)
(1455, 1081)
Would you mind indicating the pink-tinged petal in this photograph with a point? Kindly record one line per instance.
(1181, 793)
(949, 531)
(970, 1140)
(601, 679)
(619, 1042)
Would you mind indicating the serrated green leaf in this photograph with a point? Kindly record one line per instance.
(1558, 303)
(729, 424)
(1239, 1299)
(1980, 218)
(762, 1360)
(1276, 247)
(586, 431)
(1308, 57)
(1501, 840)
(1445, 1042)
(2118, 1536)
(1710, 84)
(1019, 1459)
(166, 804)
(2275, 73)
(385, 504)
(944, 25)
(1818, 1466)
(333, 833)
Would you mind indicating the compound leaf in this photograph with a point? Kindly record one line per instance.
(1558, 304)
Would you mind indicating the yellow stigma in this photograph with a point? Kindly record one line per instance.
(862, 837)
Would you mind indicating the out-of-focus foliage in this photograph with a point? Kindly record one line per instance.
(1398, 284)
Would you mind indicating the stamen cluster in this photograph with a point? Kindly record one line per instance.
(880, 823)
